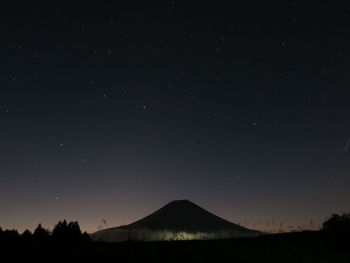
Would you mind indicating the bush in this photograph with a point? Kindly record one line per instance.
(337, 227)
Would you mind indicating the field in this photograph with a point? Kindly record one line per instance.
(308, 246)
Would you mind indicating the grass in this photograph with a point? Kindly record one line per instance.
(307, 246)
(331, 244)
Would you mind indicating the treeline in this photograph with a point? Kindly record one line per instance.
(66, 243)
(62, 232)
(336, 229)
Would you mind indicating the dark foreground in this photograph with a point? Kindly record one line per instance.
(291, 247)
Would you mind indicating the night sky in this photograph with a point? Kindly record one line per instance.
(111, 109)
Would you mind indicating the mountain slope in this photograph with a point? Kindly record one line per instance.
(183, 215)
(180, 216)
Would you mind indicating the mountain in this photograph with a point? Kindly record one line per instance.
(178, 220)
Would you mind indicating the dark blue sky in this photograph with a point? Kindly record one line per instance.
(111, 109)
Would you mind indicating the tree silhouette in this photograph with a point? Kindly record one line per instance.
(27, 235)
(74, 230)
(68, 232)
(9, 235)
(41, 234)
(60, 230)
(338, 228)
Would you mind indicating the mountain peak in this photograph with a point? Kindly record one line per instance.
(180, 202)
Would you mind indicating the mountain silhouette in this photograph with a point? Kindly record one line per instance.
(183, 215)
(179, 217)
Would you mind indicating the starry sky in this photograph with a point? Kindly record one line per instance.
(111, 109)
